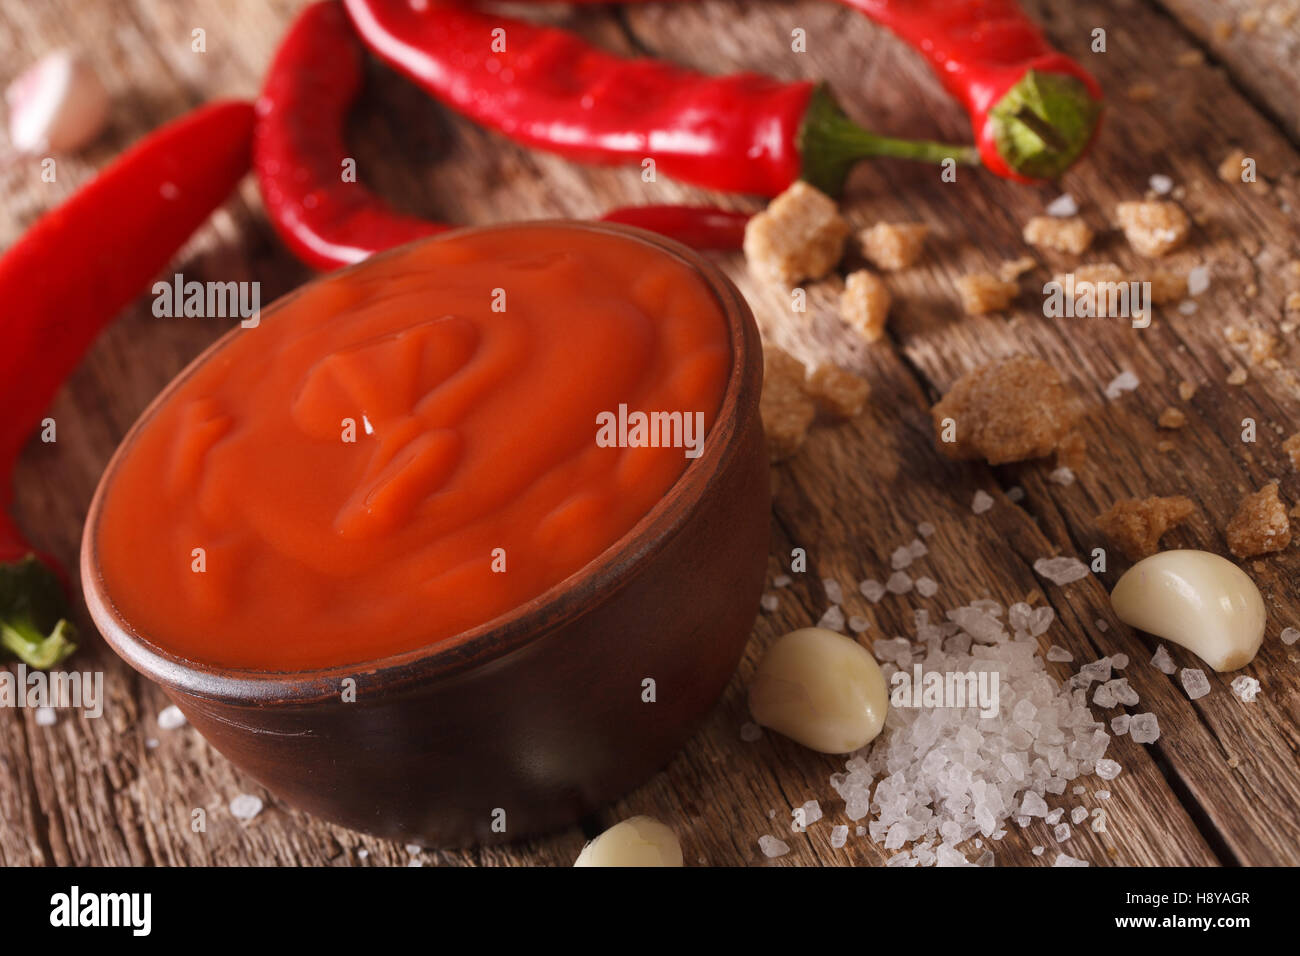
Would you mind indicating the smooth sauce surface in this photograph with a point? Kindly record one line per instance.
(473, 370)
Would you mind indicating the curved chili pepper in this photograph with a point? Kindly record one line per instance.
(299, 150)
(547, 88)
(154, 196)
(1034, 110)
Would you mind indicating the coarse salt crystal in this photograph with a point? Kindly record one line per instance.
(834, 593)
(781, 580)
(1160, 184)
(982, 502)
(901, 558)
(1119, 725)
(1187, 307)
(1108, 769)
(899, 583)
(769, 602)
(918, 548)
(245, 806)
(1054, 817)
(1066, 860)
(1056, 653)
(1062, 832)
(1061, 476)
(926, 587)
(1198, 280)
(46, 716)
(1246, 688)
(839, 836)
(1162, 662)
(1015, 494)
(1289, 635)
(1038, 850)
(1104, 627)
(833, 619)
(858, 624)
(1121, 383)
(925, 529)
(772, 847)
(872, 590)
(1063, 206)
(1144, 729)
(1103, 794)
(1194, 682)
(1118, 661)
(1061, 570)
(1078, 815)
(171, 718)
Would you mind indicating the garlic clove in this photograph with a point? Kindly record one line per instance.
(1196, 599)
(820, 689)
(58, 104)
(639, 841)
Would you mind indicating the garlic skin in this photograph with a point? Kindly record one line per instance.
(1198, 600)
(638, 841)
(820, 689)
(58, 105)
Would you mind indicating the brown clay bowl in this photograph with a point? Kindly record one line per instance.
(536, 718)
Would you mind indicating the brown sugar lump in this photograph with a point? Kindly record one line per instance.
(1005, 411)
(837, 393)
(1153, 227)
(1292, 448)
(1070, 235)
(800, 235)
(1167, 286)
(984, 292)
(1172, 418)
(785, 408)
(890, 246)
(864, 304)
(1135, 525)
(1260, 525)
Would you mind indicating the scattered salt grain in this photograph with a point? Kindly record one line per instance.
(1119, 725)
(1078, 815)
(812, 812)
(362, 853)
(1063, 207)
(1194, 682)
(1015, 494)
(1057, 653)
(1104, 627)
(917, 547)
(1117, 661)
(151, 743)
(781, 581)
(858, 624)
(1053, 818)
(413, 849)
(1246, 688)
(901, 558)
(1198, 280)
(769, 602)
(833, 619)
(1121, 383)
(46, 716)
(171, 718)
(926, 587)
(899, 583)
(1290, 635)
(750, 731)
(1033, 805)
(1108, 769)
(1062, 832)
(839, 836)
(1163, 662)
(872, 590)
(245, 806)
(1103, 794)
(834, 593)
(1079, 791)
(860, 831)
(1061, 570)
(925, 529)
(1161, 184)
(982, 502)
(772, 847)
(1064, 859)
(1144, 729)
(1038, 850)
(1061, 476)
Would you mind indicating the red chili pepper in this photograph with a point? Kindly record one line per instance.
(547, 88)
(1034, 110)
(299, 153)
(62, 282)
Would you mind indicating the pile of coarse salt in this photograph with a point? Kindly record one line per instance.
(945, 775)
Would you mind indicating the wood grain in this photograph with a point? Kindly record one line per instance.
(1222, 785)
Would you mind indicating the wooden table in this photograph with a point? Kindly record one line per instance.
(1222, 785)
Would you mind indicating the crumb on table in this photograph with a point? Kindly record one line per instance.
(1153, 227)
(864, 304)
(1167, 286)
(1230, 170)
(785, 408)
(838, 393)
(1070, 235)
(1005, 411)
(1292, 448)
(983, 292)
(1172, 418)
(1260, 526)
(893, 245)
(1013, 269)
(1135, 525)
(800, 235)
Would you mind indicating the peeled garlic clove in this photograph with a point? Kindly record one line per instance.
(639, 841)
(57, 105)
(820, 689)
(1197, 599)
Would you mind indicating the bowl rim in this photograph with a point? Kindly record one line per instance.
(526, 624)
